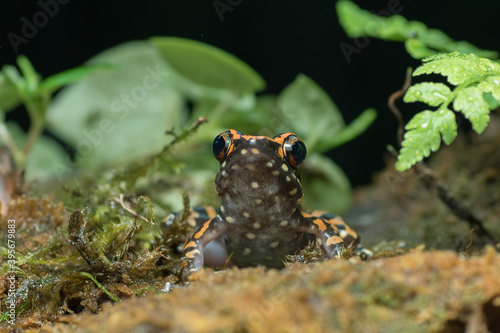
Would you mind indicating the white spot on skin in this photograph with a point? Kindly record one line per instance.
(276, 173)
(277, 199)
(292, 192)
(274, 244)
(258, 201)
(250, 235)
(245, 214)
(251, 167)
(283, 223)
(247, 251)
(243, 151)
(288, 179)
(227, 196)
(222, 208)
(255, 184)
(284, 167)
(269, 164)
(229, 219)
(223, 165)
(224, 173)
(234, 166)
(256, 225)
(255, 151)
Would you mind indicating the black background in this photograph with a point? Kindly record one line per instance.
(279, 39)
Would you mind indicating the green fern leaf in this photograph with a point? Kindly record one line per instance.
(471, 103)
(491, 84)
(424, 133)
(458, 67)
(430, 93)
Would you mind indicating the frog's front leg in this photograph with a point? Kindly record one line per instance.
(193, 248)
(331, 243)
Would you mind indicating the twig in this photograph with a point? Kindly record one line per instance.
(431, 180)
(130, 210)
(470, 242)
(394, 109)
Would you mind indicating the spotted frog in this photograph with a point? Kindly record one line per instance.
(260, 219)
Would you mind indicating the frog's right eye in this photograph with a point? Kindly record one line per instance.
(224, 144)
(221, 145)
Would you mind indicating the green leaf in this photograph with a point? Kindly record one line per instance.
(424, 133)
(307, 110)
(420, 40)
(491, 84)
(57, 81)
(114, 117)
(45, 153)
(417, 49)
(31, 77)
(458, 67)
(351, 131)
(471, 103)
(9, 95)
(208, 65)
(430, 93)
(325, 185)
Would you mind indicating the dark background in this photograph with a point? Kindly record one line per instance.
(279, 39)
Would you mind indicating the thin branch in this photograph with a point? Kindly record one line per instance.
(394, 109)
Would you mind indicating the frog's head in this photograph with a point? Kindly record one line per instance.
(258, 170)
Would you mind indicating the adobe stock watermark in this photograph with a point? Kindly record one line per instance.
(11, 301)
(30, 28)
(221, 6)
(348, 50)
(121, 108)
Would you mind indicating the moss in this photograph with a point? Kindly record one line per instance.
(396, 294)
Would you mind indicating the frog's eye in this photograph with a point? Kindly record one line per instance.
(223, 144)
(295, 149)
(220, 145)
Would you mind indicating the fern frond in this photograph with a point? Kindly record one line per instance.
(424, 133)
(476, 92)
(458, 67)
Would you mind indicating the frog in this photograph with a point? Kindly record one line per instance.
(260, 219)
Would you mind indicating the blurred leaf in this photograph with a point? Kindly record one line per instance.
(208, 65)
(117, 116)
(31, 77)
(325, 185)
(359, 23)
(45, 154)
(57, 81)
(9, 95)
(307, 110)
(354, 129)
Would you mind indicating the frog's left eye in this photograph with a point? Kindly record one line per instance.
(295, 149)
